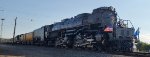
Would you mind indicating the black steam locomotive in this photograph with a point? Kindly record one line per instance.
(100, 30)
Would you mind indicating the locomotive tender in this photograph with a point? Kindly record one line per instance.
(100, 30)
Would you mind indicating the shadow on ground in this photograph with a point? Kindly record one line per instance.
(7, 53)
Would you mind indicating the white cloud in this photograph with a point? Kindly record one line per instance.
(145, 38)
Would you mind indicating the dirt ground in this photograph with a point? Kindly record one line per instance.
(35, 51)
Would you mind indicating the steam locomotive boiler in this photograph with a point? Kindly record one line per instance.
(99, 30)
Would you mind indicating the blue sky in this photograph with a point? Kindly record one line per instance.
(44, 12)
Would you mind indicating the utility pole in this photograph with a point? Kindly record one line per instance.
(14, 30)
(2, 27)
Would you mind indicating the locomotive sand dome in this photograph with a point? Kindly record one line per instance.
(100, 30)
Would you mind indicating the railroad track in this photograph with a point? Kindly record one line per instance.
(136, 54)
(140, 54)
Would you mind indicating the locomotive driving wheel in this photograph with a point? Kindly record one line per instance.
(58, 42)
(98, 45)
(77, 41)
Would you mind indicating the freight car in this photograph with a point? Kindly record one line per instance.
(41, 36)
(100, 30)
(38, 36)
(28, 38)
(17, 39)
(22, 39)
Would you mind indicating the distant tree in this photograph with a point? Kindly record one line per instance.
(141, 46)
